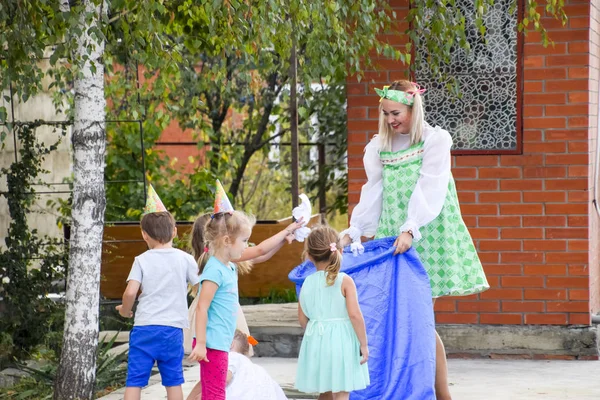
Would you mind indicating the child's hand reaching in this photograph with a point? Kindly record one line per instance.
(364, 351)
(290, 238)
(297, 230)
(291, 228)
(199, 353)
(122, 312)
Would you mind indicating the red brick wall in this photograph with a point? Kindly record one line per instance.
(188, 156)
(182, 145)
(593, 137)
(529, 214)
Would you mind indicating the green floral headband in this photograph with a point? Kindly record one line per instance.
(399, 96)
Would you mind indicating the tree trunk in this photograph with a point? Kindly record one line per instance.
(254, 141)
(239, 172)
(77, 371)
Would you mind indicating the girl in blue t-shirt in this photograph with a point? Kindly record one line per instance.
(225, 237)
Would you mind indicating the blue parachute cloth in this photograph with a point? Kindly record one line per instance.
(395, 299)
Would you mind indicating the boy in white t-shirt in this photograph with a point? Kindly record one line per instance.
(162, 273)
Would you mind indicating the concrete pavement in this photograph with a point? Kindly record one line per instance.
(472, 379)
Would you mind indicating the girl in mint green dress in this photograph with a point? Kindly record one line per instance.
(333, 355)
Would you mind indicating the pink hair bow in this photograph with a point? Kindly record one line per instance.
(418, 90)
(332, 247)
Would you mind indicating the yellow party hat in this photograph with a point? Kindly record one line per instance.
(153, 202)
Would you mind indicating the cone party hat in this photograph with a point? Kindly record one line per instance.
(222, 203)
(153, 202)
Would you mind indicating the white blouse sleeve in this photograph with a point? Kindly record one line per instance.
(428, 198)
(365, 216)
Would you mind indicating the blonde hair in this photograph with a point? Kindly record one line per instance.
(208, 233)
(417, 119)
(241, 340)
(319, 245)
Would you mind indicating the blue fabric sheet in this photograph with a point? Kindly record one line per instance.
(395, 299)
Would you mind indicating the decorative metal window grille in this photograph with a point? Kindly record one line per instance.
(484, 118)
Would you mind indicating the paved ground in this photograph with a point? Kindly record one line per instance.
(478, 379)
(470, 379)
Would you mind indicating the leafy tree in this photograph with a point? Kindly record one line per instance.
(30, 265)
(82, 38)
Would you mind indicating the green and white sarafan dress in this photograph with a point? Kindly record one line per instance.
(411, 188)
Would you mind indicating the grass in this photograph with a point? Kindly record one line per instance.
(110, 376)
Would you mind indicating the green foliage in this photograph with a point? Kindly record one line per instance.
(29, 388)
(334, 37)
(279, 297)
(204, 59)
(110, 375)
(327, 126)
(26, 29)
(323, 117)
(532, 16)
(184, 192)
(29, 264)
(265, 176)
(184, 195)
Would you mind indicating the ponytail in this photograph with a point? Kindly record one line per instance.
(335, 263)
(244, 267)
(322, 246)
(202, 260)
(198, 242)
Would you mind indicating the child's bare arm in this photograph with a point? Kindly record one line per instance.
(209, 288)
(269, 245)
(207, 294)
(229, 377)
(129, 296)
(302, 318)
(356, 317)
(272, 252)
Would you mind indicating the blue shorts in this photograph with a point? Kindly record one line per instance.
(147, 344)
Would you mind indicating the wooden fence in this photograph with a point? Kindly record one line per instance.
(123, 242)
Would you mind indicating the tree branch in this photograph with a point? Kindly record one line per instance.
(255, 182)
(118, 16)
(275, 136)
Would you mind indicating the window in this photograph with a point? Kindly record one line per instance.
(485, 119)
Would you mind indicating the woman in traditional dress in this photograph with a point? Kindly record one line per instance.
(411, 194)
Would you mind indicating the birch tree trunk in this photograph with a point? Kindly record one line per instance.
(77, 371)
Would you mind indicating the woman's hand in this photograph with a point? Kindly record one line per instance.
(403, 243)
(199, 353)
(345, 241)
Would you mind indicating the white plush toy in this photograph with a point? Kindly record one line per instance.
(303, 211)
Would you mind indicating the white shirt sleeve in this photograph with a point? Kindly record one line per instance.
(191, 270)
(233, 362)
(365, 216)
(136, 271)
(428, 198)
